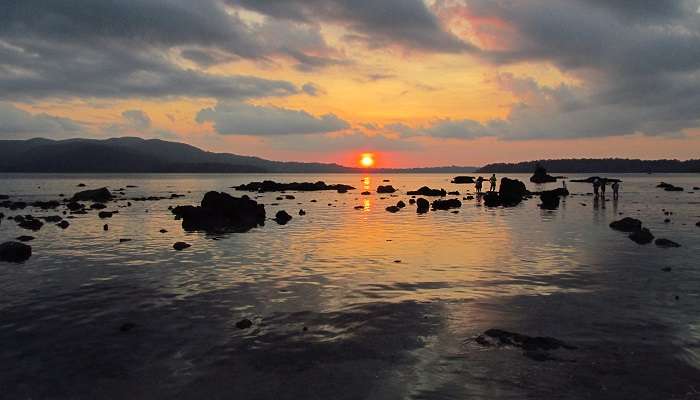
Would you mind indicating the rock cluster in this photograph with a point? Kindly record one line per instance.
(220, 211)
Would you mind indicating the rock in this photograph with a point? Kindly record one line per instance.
(282, 217)
(163, 231)
(302, 212)
(75, 206)
(25, 238)
(244, 324)
(393, 209)
(541, 176)
(426, 191)
(422, 206)
(124, 240)
(462, 179)
(511, 192)
(289, 197)
(222, 212)
(126, 327)
(400, 204)
(271, 186)
(29, 223)
(627, 224)
(491, 199)
(550, 200)
(46, 205)
(469, 198)
(63, 224)
(98, 206)
(385, 189)
(15, 252)
(81, 185)
(105, 214)
(52, 218)
(498, 337)
(181, 246)
(454, 193)
(105, 227)
(642, 236)
(593, 178)
(100, 195)
(661, 242)
(446, 204)
(667, 269)
(413, 201)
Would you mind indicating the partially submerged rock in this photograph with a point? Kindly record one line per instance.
(422, 206)
(446, 204)
(28, 222)
(669, 187)
(627, 224)
(642, 236)
(282, 217)
(25, 238)
(393, 209)
(385, 189)
(661, 242)
(181, 246)
(462, 179)
(541, 176)
(222, 212)
(499, 337)
(426, 191)
(15, 252)
(510, 194)
(272, 186)
(63, 224)
(594, 178)
(100, 195)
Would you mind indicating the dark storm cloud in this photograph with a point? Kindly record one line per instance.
(409, 23)
(237, 118)
(127, 48)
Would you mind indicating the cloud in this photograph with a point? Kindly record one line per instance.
(15, 122)
(347, 141)
(137, 118)
(407, 23)
(235, 118)
(312, 89)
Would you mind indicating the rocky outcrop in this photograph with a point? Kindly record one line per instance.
(422, 206)
(272, 186)
(446, 204)
(385, 189)
(627, 224)
(15, 252)
(463, 179)
(642, 236)
(426, 191)
(222, 212)
(100, 195)
(541, 176)
(510, 194)
(592, 179)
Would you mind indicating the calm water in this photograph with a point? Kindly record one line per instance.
(335, 315)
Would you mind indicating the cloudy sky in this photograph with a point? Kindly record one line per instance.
(419, 82)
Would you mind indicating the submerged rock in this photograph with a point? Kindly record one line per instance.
(462, 179)
(661, 242)
(426, 191)
(222, 212)
(181, 246)
(498, 337)
(100, 195)
(28, 222)
(393, 209)
(282, 217)
(400, 204)
(642, 236)
(105, 214)
(541, 176)
(385, 189)
(244, 324)
(15, 252)
(422, 206)
(25, 238)
(446, 204)
(302, 212)
(63, 224)
(272, 186)
(627, 224)
(550, 198)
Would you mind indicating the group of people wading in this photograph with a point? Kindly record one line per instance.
(480, 183)
(599, 188)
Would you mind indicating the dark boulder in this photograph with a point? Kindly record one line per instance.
(63, 224)
(282, 217)
(222, 212)
(52, 218)
(98, 206)
(661, 242)
(100, 195)
(244, 324)
(46, 205)
(594, 178)
(385, 189)
(499, 337)
(491, 199)
(181, 246)
(400, 204)
(627, 224)
(462, 179)
(541, 176)
(15, 252)
(25, 238)
(75, 206)
(393, 209)
(426, 191)
(28, 222)
(365, 193)
(105, 227)
(105, 214)
(413, 201)
(511, 192)
(302, 212)
(454, 193)
(446, 204)
(422, 206)
(642, 236)
(550, 201)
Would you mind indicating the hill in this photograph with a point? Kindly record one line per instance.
(593, 165)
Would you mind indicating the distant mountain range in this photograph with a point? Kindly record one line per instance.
(593, 165)
(133, 155)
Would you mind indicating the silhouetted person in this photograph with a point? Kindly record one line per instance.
(596, 186)
(603, 183)
(493, 181)
(479, 184)
(616, 190)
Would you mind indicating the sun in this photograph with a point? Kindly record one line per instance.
(367, 160)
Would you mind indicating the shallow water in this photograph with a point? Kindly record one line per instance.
(376, 328)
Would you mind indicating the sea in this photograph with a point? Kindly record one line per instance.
(350, 301)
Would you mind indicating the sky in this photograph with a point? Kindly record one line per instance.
(416, 82)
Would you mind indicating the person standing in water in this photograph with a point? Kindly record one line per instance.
(596, 186)
(479, 182)
(616, 190)
(493, 181)
(603, 183)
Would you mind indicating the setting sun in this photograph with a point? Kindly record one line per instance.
(367, 160)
